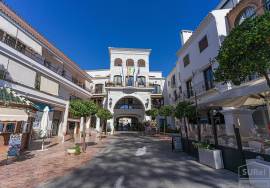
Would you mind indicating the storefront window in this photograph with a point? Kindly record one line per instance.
(255, 136)
(10, 127)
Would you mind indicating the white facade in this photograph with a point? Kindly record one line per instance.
(128, 78)
(35, 69)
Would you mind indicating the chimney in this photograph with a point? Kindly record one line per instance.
(184, 36)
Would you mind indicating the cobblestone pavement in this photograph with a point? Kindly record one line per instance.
(133, 161)
(35, 167)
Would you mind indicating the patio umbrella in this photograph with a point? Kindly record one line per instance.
(44, 125)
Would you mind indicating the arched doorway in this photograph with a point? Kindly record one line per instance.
(128, 114)
(127, 124)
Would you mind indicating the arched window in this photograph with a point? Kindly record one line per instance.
(141, 81)
(117, 79)
(130, 63)
(118, 62)
(248, 12)
(129, 81)
(129, 103)
(141, 63)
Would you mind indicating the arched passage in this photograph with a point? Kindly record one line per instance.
(128, 114)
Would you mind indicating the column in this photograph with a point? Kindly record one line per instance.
(98, 128)
(63, 128)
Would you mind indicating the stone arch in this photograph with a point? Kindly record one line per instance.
(246, 12)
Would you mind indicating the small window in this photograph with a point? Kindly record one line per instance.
(189, 88)
(99, 88)
(9, 40)
(141, 63)
(1, 34)
(117, 80)
(130, 63)
(186, 60)
(208, 78)
(203, 44)
(118, 62)
(10, 127)
(1, 127)
(141, 81)
(129, 81)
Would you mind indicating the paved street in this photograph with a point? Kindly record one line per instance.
(131, 160)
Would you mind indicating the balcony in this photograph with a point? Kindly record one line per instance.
(27, 51)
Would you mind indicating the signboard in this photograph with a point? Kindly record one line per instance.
(38, 117)
(14, 144)
(177, 144)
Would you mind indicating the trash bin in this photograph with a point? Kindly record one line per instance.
(176, 144)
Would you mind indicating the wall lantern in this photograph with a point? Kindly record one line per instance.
(147, 103)
(110, 102)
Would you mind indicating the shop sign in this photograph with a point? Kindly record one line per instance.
(38, 117)
(14, 144)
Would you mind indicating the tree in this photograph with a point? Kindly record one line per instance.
(246, 51)
(104, 115)
(80, 108)
(184, 110)
(153, 113)
(166, 111)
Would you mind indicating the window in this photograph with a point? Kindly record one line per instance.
(173, 81)
(267, 4)
(141, 81)
(1, 127)
(20, 47)
(118, 62)
(10, 127)
(189, 88)
(157, 89)
(98, 88)
(141, 63)
(203, 44)
(130, 63)
(186, 60)
(129, 80)
(208, 78)
(117, 80)
(169, 83)
(9, 40)
(175, 95)
(129, 103)
(1, 34)
(248, 12)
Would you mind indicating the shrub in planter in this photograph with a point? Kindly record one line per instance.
(208, 155)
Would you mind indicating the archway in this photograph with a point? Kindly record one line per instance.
(129, 114)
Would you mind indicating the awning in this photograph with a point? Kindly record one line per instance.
(12, 114)
(247, 94)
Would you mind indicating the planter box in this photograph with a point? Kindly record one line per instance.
(258, 172)
(212, 158)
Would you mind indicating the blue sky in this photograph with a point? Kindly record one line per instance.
(84, 29)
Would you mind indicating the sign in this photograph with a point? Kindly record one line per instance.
(14, 145)
(38, 117)
(176, 143)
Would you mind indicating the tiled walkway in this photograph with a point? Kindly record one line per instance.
(40, 166)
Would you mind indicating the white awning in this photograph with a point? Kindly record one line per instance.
(12, 114)
(243, 95)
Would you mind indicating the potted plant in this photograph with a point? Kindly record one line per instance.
(209, 156)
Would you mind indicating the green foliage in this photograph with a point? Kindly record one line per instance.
(153, 113)
(202, 145)
(166, 110)
(80, 108)
(104, 114)
(77, 149)
(185, 109)
(245, 51)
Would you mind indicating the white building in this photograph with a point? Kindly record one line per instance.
(128, 88)
(35, 69)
